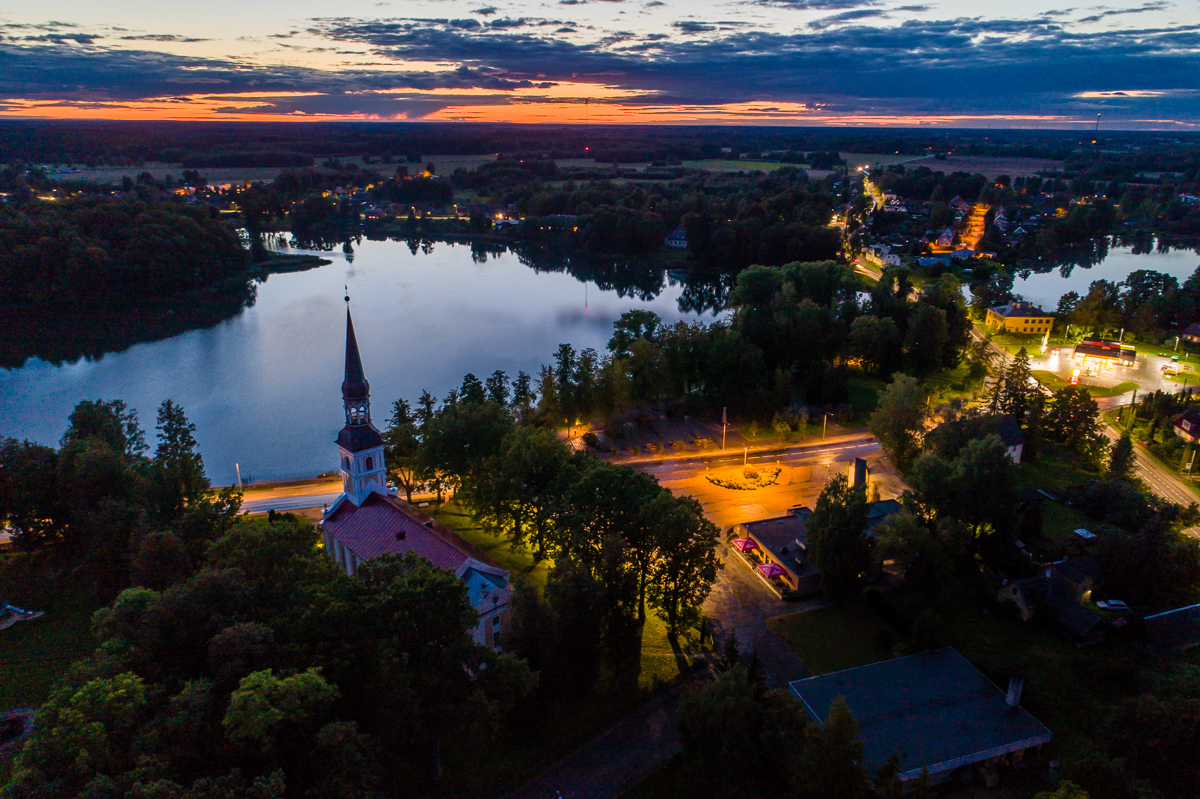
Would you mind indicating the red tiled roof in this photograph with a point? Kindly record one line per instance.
(370, 530)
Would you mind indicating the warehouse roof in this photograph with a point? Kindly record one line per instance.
(934, 709)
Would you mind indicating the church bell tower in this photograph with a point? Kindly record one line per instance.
(359, 443)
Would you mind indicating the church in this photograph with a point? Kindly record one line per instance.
(368, 519)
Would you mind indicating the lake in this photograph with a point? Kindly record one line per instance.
(264, 387)
(1044, 289)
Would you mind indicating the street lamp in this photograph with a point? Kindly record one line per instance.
(745, 453)
(824, 425)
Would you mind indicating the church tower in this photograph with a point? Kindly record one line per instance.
(359, 443)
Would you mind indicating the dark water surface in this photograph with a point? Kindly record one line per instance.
(263, 387)
(1046, 288)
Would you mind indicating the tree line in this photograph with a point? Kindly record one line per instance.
(113, 250)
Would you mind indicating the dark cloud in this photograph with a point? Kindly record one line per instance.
(687, 26)
(1117, 12)
(486, 11)
(816, 5)
(846, 16)
(162, 37)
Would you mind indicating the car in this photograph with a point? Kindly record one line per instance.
(1112, 604)
(1074, 381)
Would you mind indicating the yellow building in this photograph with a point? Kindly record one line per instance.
(1020, 317)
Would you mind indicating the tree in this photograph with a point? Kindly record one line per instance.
(113, 422)
(1073, 418)
(178, 466)
(832, 761)
(927, 338)
(266, 711)
(632, 325)
(29, 501)
(686, 566)
(402, 446)
(1016, 389)
(838, 543)
(899, 420)
(1120, 462)
(754, 734)
(923, 557)
(874, 340)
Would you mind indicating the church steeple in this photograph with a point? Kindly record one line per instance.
(359, 443)
(356, 391)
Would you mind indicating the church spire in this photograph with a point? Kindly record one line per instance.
(355, 386)
(360, 444)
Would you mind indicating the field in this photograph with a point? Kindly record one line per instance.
(733, 165)
(33, 654)
(988, 167)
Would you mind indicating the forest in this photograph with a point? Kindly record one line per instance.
(113, 250)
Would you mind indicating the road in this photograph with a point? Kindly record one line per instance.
(1158, 479)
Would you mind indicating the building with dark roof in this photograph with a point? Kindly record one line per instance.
(1191, 333)
(1174, 629)
(368, 520)
(1020, 317)
(1187, 425)
(784, 541)
(950, 437)
(935, 710)
(1059, 594)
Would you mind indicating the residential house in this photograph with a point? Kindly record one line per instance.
(1058, 596)
(1020, 317)
(881, 255)
(945, 239)
(950, 437)
(1191, 333)
(1187, 425)
(677, 240)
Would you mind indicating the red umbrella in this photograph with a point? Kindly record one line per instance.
(772, 570)
(745, 544)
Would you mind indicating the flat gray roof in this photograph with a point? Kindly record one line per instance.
(934, 709)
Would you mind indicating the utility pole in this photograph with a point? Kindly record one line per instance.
(824, 425)
(239, 474)
(745, 453)
(724, 424)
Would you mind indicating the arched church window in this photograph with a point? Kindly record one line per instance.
(345, 463)
(370, 463)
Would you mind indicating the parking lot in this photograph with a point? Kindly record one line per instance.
(1147, 373)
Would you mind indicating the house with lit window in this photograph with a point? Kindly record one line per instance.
(368, 520)
(1020, 317)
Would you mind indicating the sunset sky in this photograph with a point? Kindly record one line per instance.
(800, 62)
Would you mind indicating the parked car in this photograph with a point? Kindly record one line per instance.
(1112, 604)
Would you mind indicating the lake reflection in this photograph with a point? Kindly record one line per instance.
(263, 387)
(1045, 289)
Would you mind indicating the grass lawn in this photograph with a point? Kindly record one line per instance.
(659, 662)
(33, 654)
(949, 384)
(864, 393)
(1056, 383)
(1013, 343)
(1054, 468)
(832, 639)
